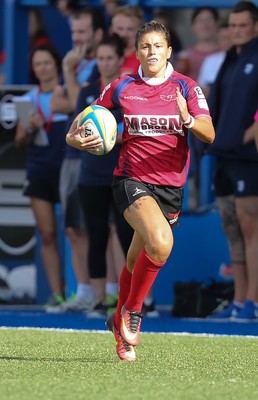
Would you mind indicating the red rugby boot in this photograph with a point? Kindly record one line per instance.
(124, 351)
(130, 326)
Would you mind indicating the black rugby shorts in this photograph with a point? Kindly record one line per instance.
(170, 199)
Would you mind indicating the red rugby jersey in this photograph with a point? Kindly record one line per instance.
(130, 64)
(155, 143)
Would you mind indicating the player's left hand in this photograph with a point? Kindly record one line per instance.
(78, 140)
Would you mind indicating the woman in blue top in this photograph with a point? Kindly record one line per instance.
(45, 137)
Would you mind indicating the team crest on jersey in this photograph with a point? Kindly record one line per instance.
(170, 97)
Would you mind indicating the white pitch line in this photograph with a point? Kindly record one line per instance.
(143, 333)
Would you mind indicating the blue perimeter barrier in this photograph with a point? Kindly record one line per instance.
(199, 250)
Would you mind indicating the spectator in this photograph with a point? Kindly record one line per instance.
(66, 7)
(204, 24)
(212, 63)
(163, 17)
(110, 7)
(79, 64)
(125, 22)
(37, 30)
(96, 178)
(38, 35)
(233, 103)
(251, 133)
(44, 161)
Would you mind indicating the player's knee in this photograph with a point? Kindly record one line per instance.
(160, 246)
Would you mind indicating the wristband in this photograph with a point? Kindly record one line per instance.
(189, 123)
(256, 116)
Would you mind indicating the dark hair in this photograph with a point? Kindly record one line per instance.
(98, 20)
(198, 10)
(116, 42)
(54, 53)
(71, 4)
(152, 26)
(245, 6)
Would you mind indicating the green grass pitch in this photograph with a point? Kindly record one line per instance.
(74, 365)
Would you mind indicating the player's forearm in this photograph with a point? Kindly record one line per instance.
(203, 129)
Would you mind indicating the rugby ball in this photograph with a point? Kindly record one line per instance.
(99, 120)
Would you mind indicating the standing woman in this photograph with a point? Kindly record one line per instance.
(95, 179)
(38, 36)
(159, 106)
(46, 141)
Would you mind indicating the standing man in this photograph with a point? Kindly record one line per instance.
(79, 64)
(233, 104)
(126, 21)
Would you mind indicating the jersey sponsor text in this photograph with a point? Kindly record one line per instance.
(152, 125)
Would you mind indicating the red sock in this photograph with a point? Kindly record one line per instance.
(124, 290)
(144, 274)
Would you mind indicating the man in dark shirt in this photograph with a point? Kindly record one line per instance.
(233, 104)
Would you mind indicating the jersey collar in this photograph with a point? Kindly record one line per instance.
(157, 81)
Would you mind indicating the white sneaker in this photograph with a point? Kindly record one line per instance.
(74, 304)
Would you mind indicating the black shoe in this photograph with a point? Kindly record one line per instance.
(150, 311)
(98, 311)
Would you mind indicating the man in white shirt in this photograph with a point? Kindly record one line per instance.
(212, 63)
